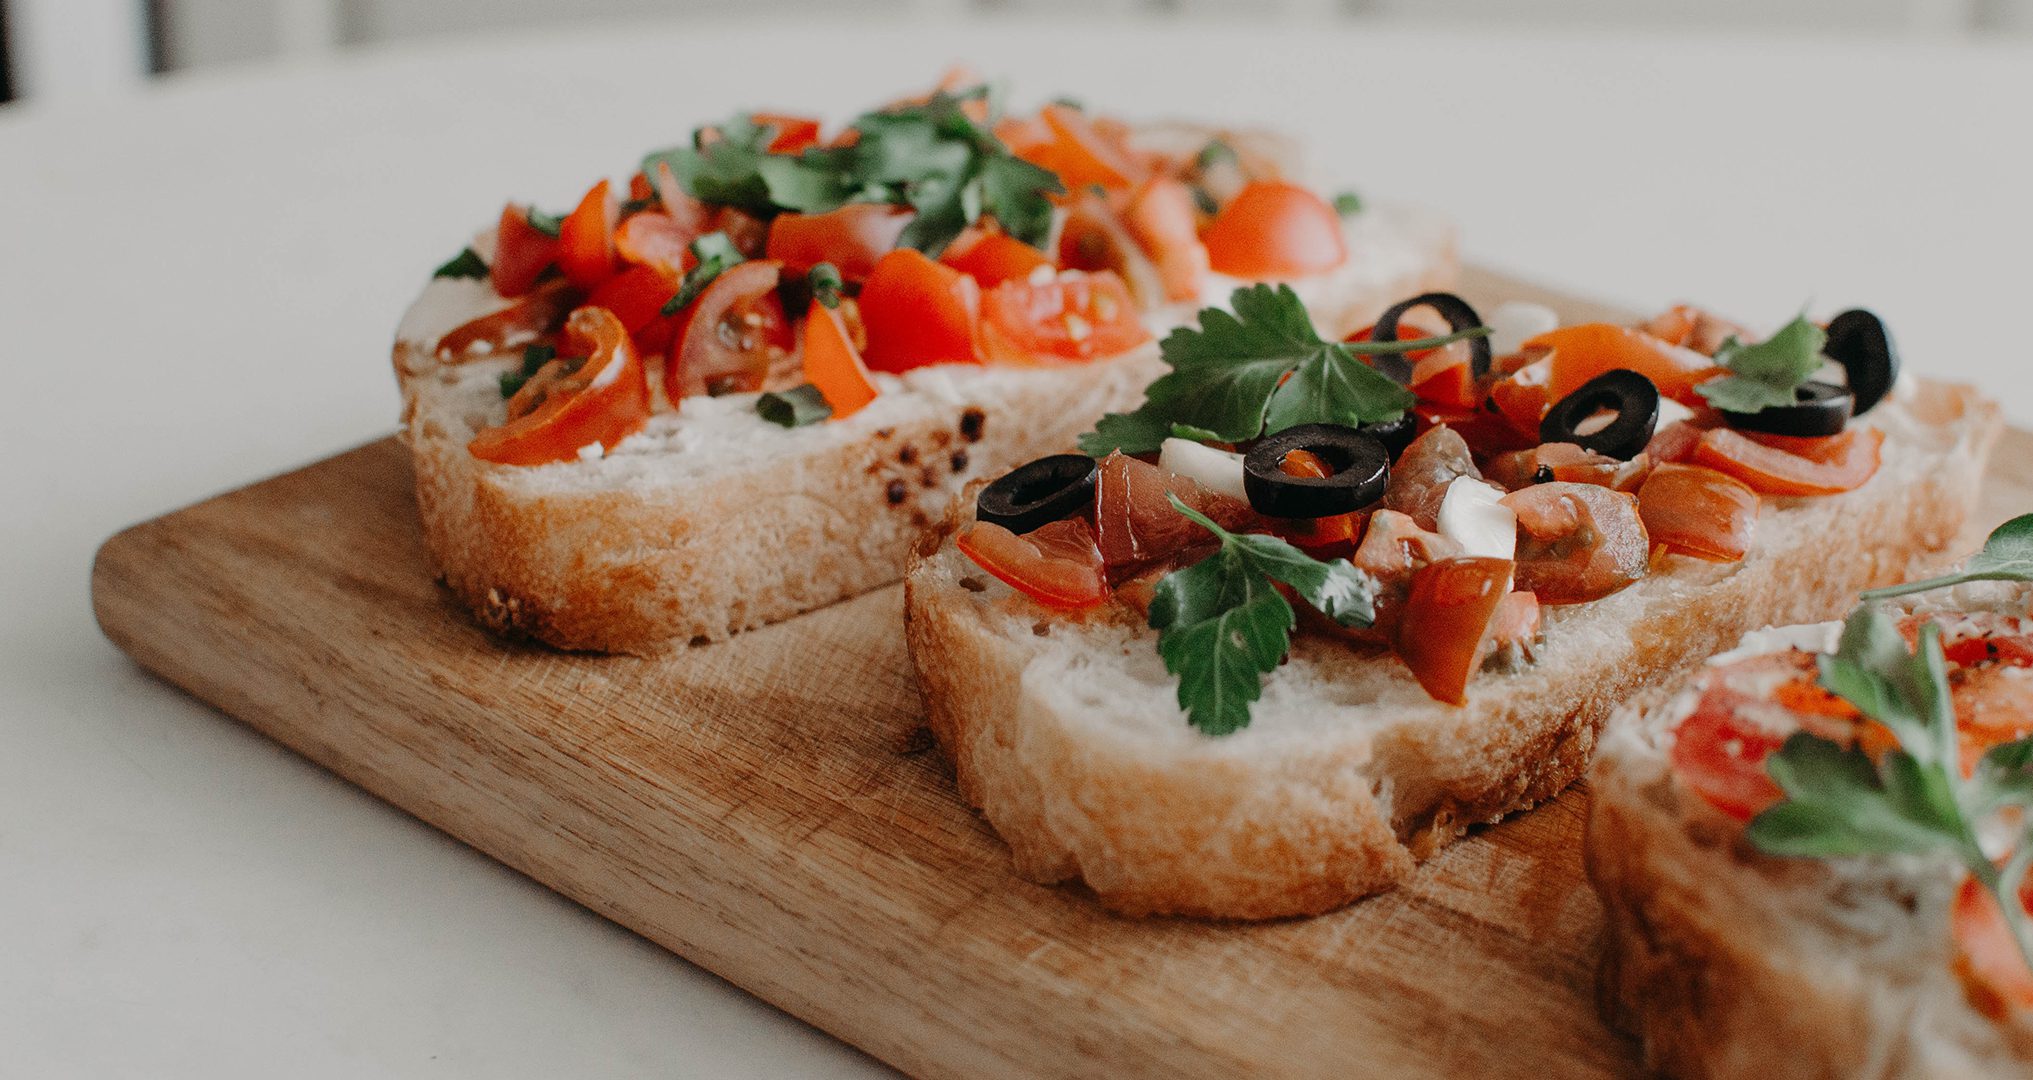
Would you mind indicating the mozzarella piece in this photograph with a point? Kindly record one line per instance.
(1819, 637)
(1473, 515)
(1215, 470)
(1672, 412)
(1515, 322)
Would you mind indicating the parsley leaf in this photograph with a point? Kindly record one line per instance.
(1764, 375)
(1228, 379)
(1839, 803)
(466, 264)
(1222, 625)
(2007, 555)
(715, 253)
(796, 407)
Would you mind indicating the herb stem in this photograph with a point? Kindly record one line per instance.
(2004, 886)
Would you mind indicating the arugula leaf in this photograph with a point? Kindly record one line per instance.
(715, 253)
(1225, 378)
(534, 357)
(796, 407)
(1222, 625)
(2007, 555)
(1764, 375)
(466, 264)
(1348, 204)
(547, 224)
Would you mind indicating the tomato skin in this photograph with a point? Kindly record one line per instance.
(833, 364)
(993, 258)
(1164, 222)
(1674, 442)
(1691, 510)
(1829, 466)
(1056, 564)
(654, 238)
(635, 296)
(595, 411)
(1272, 230)
(1446, 619)
(918, 312)
(793, 133)
(732, 334)
(853, 238)
(521, 252)
(1582, 352)
(1993, 970)
(1065, 142)
(1075, 316)
(586, 239)
(1722, 758)
(528, 318)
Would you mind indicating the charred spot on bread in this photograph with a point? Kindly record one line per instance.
(907, 455)
(897, 492)
(973, 584)
(971, 424)
(959, 461)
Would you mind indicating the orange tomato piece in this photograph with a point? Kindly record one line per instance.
(1444, 629)
(917, 312)
(1824, 466)
(1332, 536)
(853, 238)
(1272, 230)
(654, 238)
(522, 252)
(1081, 154)
(833, 364)
(732, 335)
(992, 258)
(604, 400)
(586, 239)
(1056, 564)
(1165, 223)
(1582, 352)
(528, 318)
(1696, 511)
(792, 134)
(1074, 316)
(1993, 969)
(636, 296)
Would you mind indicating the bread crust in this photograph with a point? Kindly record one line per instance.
(1338, 795)
(586, 564)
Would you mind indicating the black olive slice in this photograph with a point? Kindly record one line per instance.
(1394, 434)
(1360, 465)
(1039, 493)
(1631, 396)
(1459, 317)
(1819, 409)
(1859, 342)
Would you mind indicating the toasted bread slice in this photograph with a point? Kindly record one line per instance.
(1727, 962)
(711, 520)
(1066, 731)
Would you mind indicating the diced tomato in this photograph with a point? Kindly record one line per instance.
(852, 238)
(1582, 352)
(992, 258)
(635, 295)
(1578, 542)
(691, 214)
(918, 312)
(1092, 238)
(586, 239)
(1722, 758)
(833, 364)
(1988, 958)
(1522, 396)
(1444, 629)
(567, 411)
(1135, 524)
(1056, 564)
(1980, 638)
(1825, 466)
(1695, 511)
(1332, 536)
(1165, 223)
(733, 335)
(522, 321)
(793, 134)
(1487, 431)
(654, 238)
(521, 252)
(1693, 328)
(1674, 442)
(1074, 316)
(1272, 230)
(1065, 142)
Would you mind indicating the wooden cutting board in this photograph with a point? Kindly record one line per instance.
(771, 808)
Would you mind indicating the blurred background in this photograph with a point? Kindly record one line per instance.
(51, 48)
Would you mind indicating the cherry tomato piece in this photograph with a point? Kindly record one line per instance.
(1722, 758)
(1691, 510)
(1165, 223)
(1056, 564)
(654, 238)
(1272, 230)
(1825, 466)
(852, 238)
(574, 404)
(833, 364)
(790, 134)
(993, 258)
(918, 312)
(522, 321)
(1582, 352)
(733, 335)
(1074, 316)
(1444, 627)
(522, 252)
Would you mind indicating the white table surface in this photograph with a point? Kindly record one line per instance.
(197, 289)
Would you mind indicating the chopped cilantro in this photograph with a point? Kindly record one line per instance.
(466, 264)
(796, 407)
(715, 253)
(1348, 204)
(534, 357)
(825, 284)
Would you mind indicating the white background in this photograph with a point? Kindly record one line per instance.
(198, 284)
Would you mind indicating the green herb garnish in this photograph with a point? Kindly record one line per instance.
(931, 157)
(466, 264)
(796, 407)
(1228, 379)
(1765, 375)
(2007, 556)
(1222, 626)
(547, 224)
(1914, 800)
(715, 253)
(1348, 204)
(1214, 153)
(825, 283)
(534, 357)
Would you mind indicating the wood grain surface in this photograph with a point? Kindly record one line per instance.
(772, 809)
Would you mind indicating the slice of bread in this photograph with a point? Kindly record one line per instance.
(711, 520)
(1067, 733)
(1727, 962)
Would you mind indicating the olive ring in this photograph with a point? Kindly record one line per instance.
(1359, 467)
(1038, 493)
